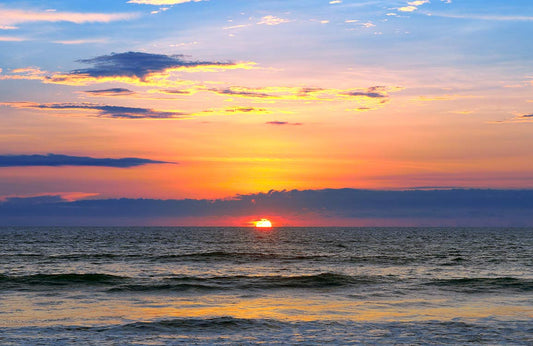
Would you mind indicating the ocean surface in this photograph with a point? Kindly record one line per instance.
(239, 286)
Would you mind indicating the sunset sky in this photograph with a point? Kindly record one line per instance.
(220, 99)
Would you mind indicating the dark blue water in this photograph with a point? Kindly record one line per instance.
(159, 286)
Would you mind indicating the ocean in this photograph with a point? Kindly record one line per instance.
(279, 286)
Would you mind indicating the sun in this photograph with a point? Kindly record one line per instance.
(263, 223)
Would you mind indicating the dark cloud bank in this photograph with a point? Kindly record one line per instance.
(55, 160)
(457, 207)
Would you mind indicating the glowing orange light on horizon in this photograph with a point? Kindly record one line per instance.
(263, 223)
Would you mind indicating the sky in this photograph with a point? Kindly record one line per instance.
(199, 102)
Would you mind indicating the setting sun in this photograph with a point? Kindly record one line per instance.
(263, 223)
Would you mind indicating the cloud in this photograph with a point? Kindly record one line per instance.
(110, 92)
(31, 73)
(85, 41)
(370, 98)
(135, 67)
(418, 2)
(8, 17)
(103, 111)
(246, 110)
(48, 197)
(502, 18)
(436, 207)
(55, 160)
(309, 90)
(11, 39)
(440, 98)
(173, 91)
(525, 117)
(240, 91)
(121, 112)
(161, 2)
(272, 20)
(407, 8)
(282, 123)
(239, 26)
(136, 64)
(372, 92)
(366, 94)
(413, 5)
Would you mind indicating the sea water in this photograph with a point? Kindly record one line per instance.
(238, 286)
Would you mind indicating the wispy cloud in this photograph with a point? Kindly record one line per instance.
(276, 122)
(172, 91)
(441, 98)
(246, 110)
(49, 197)
(361, 98)
(110, 92)
(238, 26)
(11, 39)
(84, 41)
(272, 20)
(483, 17)
(240, 91)
(161, 2)
(373, 92)
(55, 160)
(122, 112)
(102, 111)
(9, 17)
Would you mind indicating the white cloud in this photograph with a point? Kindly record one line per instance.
(11, 39)
(8, 17)
(368, 24)
(272, 20)
(484, 17)
(413, 5)
(95, 40)
(161, 2)
(407, 9)
(235, 26)
(418, 2)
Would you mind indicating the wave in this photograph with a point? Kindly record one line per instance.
(60, 279)
(477, 285)
(239, 256)
(237, 331)
(194, 256)
(324, 280)
(114, 283)
(202, 324)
